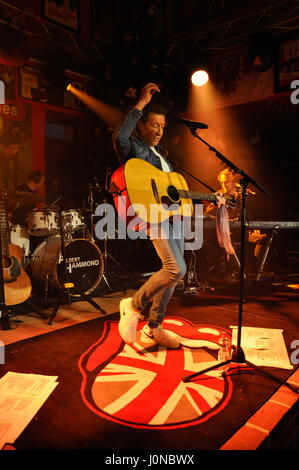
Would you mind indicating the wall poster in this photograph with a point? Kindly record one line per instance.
(15, 143)
(62, 12)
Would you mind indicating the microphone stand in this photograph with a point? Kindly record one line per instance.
(238, 355)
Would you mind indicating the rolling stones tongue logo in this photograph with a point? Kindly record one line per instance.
(141, 385)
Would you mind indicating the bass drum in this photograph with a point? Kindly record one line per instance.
(84, 262)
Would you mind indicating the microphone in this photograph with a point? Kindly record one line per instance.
(191, 124)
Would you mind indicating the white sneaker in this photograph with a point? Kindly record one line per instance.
(129, 317)
(167, 339)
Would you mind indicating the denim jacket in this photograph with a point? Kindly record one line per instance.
(131, 147)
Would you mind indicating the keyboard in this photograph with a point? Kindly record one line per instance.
(256, 225)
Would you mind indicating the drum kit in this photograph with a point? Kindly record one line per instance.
(59, 248)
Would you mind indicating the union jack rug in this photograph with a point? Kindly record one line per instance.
(141, 385)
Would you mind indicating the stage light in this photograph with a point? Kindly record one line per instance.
(293, 286)
(109, 114)
(199, 78)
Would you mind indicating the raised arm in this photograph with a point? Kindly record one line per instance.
(123, 140)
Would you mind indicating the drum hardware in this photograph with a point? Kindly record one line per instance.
(106, 255)
(90, 199)
(46, 287)
(72, 220)
(67, 286)
(102, 189)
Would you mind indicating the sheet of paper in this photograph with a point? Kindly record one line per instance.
(21, 396)
(263, 346)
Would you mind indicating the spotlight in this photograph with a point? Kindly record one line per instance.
(69, 87)
(199, 78)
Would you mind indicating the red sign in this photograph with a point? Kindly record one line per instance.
(13, 111)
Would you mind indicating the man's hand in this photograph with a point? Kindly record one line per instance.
(146, 95)
(220, 201)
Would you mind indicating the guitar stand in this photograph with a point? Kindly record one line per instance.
(68, 285)
(238, 355)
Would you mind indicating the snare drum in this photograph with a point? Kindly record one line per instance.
(84, 262)
(42, 223)
(72, 220)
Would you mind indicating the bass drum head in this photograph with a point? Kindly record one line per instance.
(84, 263)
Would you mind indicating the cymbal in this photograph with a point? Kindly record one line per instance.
(24, 197)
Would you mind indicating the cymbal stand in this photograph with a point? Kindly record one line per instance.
(104, 192)
(107, 255)
(238, 355)
(90, 199)
(67, 286)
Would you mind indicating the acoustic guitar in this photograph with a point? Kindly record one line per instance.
(152, 196)
(16, 282)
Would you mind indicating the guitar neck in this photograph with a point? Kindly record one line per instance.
(199, 196)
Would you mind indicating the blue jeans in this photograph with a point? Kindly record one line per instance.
(159, 288)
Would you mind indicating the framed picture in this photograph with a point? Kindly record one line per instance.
(63, 12)
(288, 64)
(35, 84)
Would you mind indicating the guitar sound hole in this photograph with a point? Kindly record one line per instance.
(168, 204)
(173, 193)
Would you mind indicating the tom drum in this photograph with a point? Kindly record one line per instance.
(42, 223)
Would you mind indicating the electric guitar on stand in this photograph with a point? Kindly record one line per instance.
(150, 195)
